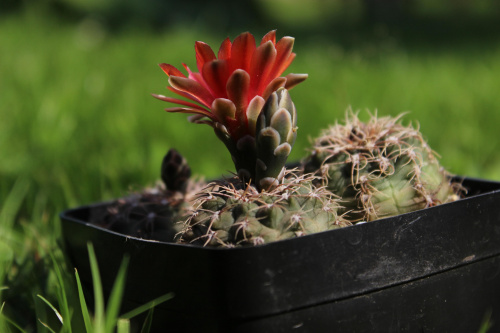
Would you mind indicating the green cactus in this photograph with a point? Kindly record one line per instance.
(276, 132)
(380, 168)
(261, 155)
(153, 212)
(229, 215)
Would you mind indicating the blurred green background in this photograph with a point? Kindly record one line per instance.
(79, 124)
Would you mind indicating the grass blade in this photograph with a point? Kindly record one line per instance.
(99, 314)
(63, 299)
(8, 211)
(115, 298)
(486, 324)
(13, 202)
(46, 326)
(67, 188)
(58, 314)
(146, 327)
(11, 322)
(6, 319)
(83, 305)
(148, 305)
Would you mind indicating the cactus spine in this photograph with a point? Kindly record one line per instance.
(227, 215)
(380, 168)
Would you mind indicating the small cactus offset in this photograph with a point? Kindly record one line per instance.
(153, 212)
(380, 168)
(276, 133)
(175, 172)
(228, 216)
(262, 156)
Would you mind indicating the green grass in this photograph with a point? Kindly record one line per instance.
(79, 125)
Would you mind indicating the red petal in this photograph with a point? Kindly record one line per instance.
(171, 70)
(241, 51)
(200, 119)
(270, 36)
(283, 57)
(223, 109)
(234, 128)
(253, 111)
(197, 77)
(179, 101)
(187, 69)
(188, 96)
(215, 74)
(192, 111)
(225, 50)
(293, 79)
(262, 63)
(237, 88)
(204, 53)
(193, 88)
(274, 85)
(289, 61)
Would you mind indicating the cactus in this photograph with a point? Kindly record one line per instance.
(375, 169)
(276, 133)
(228, 214)
(230, 93)
(262, 157)
(380, 168)
(175, 172)
(153, 212)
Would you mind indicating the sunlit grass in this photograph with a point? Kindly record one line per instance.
(79, 125)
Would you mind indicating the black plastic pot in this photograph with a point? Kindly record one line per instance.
(436, 269)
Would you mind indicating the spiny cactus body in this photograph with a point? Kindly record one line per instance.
(261, 155)
(228, 216)
(380, 168)
(153, 212)
(276, 134)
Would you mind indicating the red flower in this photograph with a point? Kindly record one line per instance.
(230, 89)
